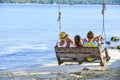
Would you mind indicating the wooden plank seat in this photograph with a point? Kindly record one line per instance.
(77, 54)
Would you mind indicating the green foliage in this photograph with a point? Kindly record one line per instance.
(114, 2)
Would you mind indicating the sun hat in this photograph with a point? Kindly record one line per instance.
(63, 35)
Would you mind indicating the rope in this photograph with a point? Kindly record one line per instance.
(59, 19)
(103, 12)
(59, 16)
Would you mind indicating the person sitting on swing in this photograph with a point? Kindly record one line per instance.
(65, 41)
(94, 42)
(77, 41)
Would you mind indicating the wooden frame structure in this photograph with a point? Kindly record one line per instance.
(78, 54)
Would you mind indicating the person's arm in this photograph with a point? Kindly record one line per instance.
(98, 38)
(99, 41)
(69, 42)
(81, 42)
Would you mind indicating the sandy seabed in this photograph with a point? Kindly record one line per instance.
(69, 71)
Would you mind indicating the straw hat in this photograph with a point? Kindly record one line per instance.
(63, 35)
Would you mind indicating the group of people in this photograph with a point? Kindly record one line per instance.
(89, 41)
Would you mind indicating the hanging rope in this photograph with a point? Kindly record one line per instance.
(103, 12)
(59, 19)
(59, 16)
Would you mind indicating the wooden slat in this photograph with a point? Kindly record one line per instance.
(75, 49)
(71, 60)
(67, 54)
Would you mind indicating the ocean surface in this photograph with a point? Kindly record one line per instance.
(29, 32)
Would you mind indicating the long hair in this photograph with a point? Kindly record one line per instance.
(77, 40)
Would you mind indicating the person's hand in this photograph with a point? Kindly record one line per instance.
(99, 37)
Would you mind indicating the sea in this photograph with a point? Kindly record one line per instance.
(29, 32)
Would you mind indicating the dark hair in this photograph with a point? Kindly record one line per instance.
(90, 35)
(77, 40)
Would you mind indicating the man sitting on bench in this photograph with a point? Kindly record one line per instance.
(94, 42)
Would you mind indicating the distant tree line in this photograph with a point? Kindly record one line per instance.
(113, 2)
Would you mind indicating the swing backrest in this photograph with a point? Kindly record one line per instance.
(76, 52)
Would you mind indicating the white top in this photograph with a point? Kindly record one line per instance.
(64, 45)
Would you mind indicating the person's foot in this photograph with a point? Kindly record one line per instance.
(108, 58)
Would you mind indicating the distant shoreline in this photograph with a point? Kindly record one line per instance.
(58, 3)
(53, 4)
(70, 2)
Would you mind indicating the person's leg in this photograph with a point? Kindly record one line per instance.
(101, 59)
(106, 54)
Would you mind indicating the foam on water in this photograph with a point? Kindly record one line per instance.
(20, 47)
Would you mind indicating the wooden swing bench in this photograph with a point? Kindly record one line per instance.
(78, 54)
